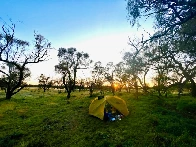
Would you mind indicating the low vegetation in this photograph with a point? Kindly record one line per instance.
(32, 118)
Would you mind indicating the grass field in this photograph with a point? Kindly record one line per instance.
(33, 119)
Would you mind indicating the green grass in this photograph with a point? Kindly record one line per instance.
(33, 118)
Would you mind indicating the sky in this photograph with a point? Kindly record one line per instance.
(98, 27)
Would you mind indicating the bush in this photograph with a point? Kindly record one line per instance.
(158, 102)
(187, 106)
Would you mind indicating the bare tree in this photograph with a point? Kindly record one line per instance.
(15, 56)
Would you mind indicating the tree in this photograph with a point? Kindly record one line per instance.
(175, 22)
(80, 84)
(137, 65)
(128, 81)
(109, 75)
(178, 82)
(15, 56)
(162, 80)
(44, 82)
(97, 78)
(173, 54)
(133, 69)
(91, 85)
(187, 67)
(58, 84)
(120, 75)
(170, 15)
(98, 75)
(70, 60)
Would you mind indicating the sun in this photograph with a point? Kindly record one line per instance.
(115, 86)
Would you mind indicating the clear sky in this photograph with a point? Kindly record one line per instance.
(98, 27)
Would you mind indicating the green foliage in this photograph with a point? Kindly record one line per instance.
(187, 106)
(169, 15)
(70, 60)
(44, 82)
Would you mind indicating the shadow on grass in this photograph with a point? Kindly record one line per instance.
(10, 140)
(172, 127)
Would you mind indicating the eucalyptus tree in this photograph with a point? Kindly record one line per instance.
(90, 85)
(80, 83)
(120, 75)
(97, 77)
(176, 59)
(137, 64)
(15, 55)
(178, 81)
(162, 80)
(175, 34)
(161, 66)
(133, 69)
(70, 60)
(109, 71)
(169, 15)
(57, 83)
(44, 82)
(185, 63)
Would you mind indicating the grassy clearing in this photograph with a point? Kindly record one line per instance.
(34, 118)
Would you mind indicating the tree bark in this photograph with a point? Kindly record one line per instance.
(136, 87)
(193, 88)
(113, 88)
(68, 94)
(91, 90)
(8, 94)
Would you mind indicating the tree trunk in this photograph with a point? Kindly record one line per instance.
(120, 88)
(166, 94)
(145, 89)
(8, 94)
(68, 94)
(136, 88)
(188, 77)
(159, 87)
(113, 89)
(44, 88)
(91, 90)
(74, 79)
(193, 88)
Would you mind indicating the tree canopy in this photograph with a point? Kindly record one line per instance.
(70, 60)
(169, 15)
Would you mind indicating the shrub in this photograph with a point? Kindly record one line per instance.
(187, 106)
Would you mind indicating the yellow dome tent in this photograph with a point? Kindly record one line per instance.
(97, 106)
